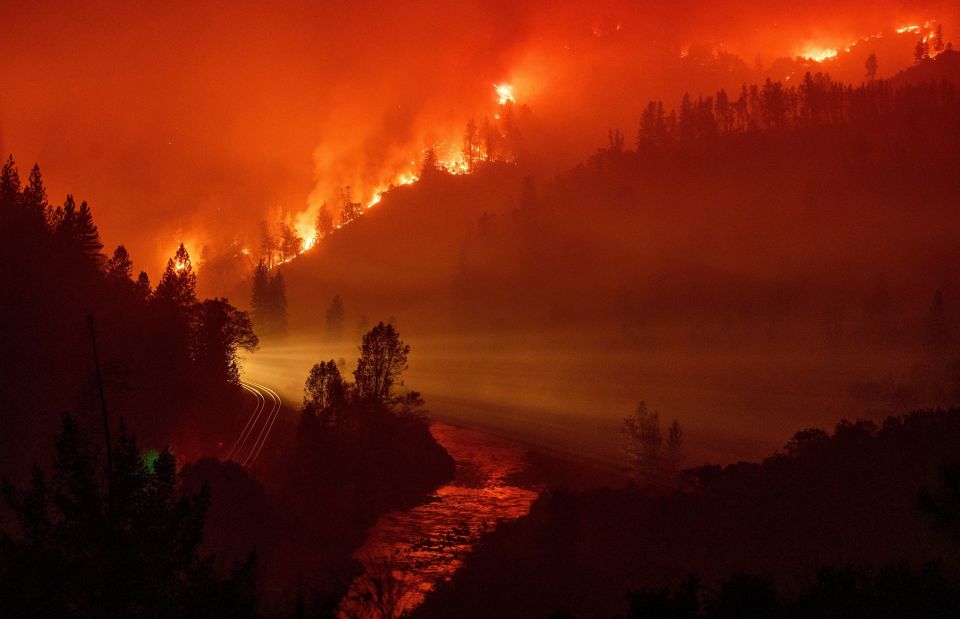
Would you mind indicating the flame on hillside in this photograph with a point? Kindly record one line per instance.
(461, 152)
(820, 54)
(453, 156)
(928, 32)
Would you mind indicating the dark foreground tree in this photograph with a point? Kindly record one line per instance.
(383, 357)
(86, 542)
(178, 286)
(324, 393)
(120, 266)
(221, 331)
(895, 590)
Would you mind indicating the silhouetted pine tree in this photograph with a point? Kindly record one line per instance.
(142, 286)
(120, 544)
(178, 286)
(86, 234)
(120, 266)
(34, 198)
(9, 184)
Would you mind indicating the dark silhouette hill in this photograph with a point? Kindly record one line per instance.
(946, 66)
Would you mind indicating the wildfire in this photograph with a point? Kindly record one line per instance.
(447, 158)
(458, 166)
(927, 31)
(193, 255)
(504, 94)
(820, 54)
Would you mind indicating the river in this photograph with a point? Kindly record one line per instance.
(407, 553)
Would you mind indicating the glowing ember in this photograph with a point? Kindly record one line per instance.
(504, 94)
(455, 167)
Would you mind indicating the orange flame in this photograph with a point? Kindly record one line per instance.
(820, 54)
(504, 94)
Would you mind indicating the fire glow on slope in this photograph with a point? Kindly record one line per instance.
(450, 156)
(820, 54)
(928, 33)
(447, 157)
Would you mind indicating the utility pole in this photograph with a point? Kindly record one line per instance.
(103, 406)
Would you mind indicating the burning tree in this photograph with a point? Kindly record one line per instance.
(324, 224)
(351, 210)
(291, 243)
(178, 286)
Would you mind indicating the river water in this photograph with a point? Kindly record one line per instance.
(407, 553)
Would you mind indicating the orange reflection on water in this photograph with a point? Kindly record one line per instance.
(408, 553)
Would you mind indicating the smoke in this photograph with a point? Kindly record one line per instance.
(193, 122)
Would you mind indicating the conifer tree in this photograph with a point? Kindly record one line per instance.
(120, 266)
(86, 234)
(9, 184)
(178, 286)
(142, 287)
(259, 300)
(324, 222)
(34, 196)
(290, 242)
